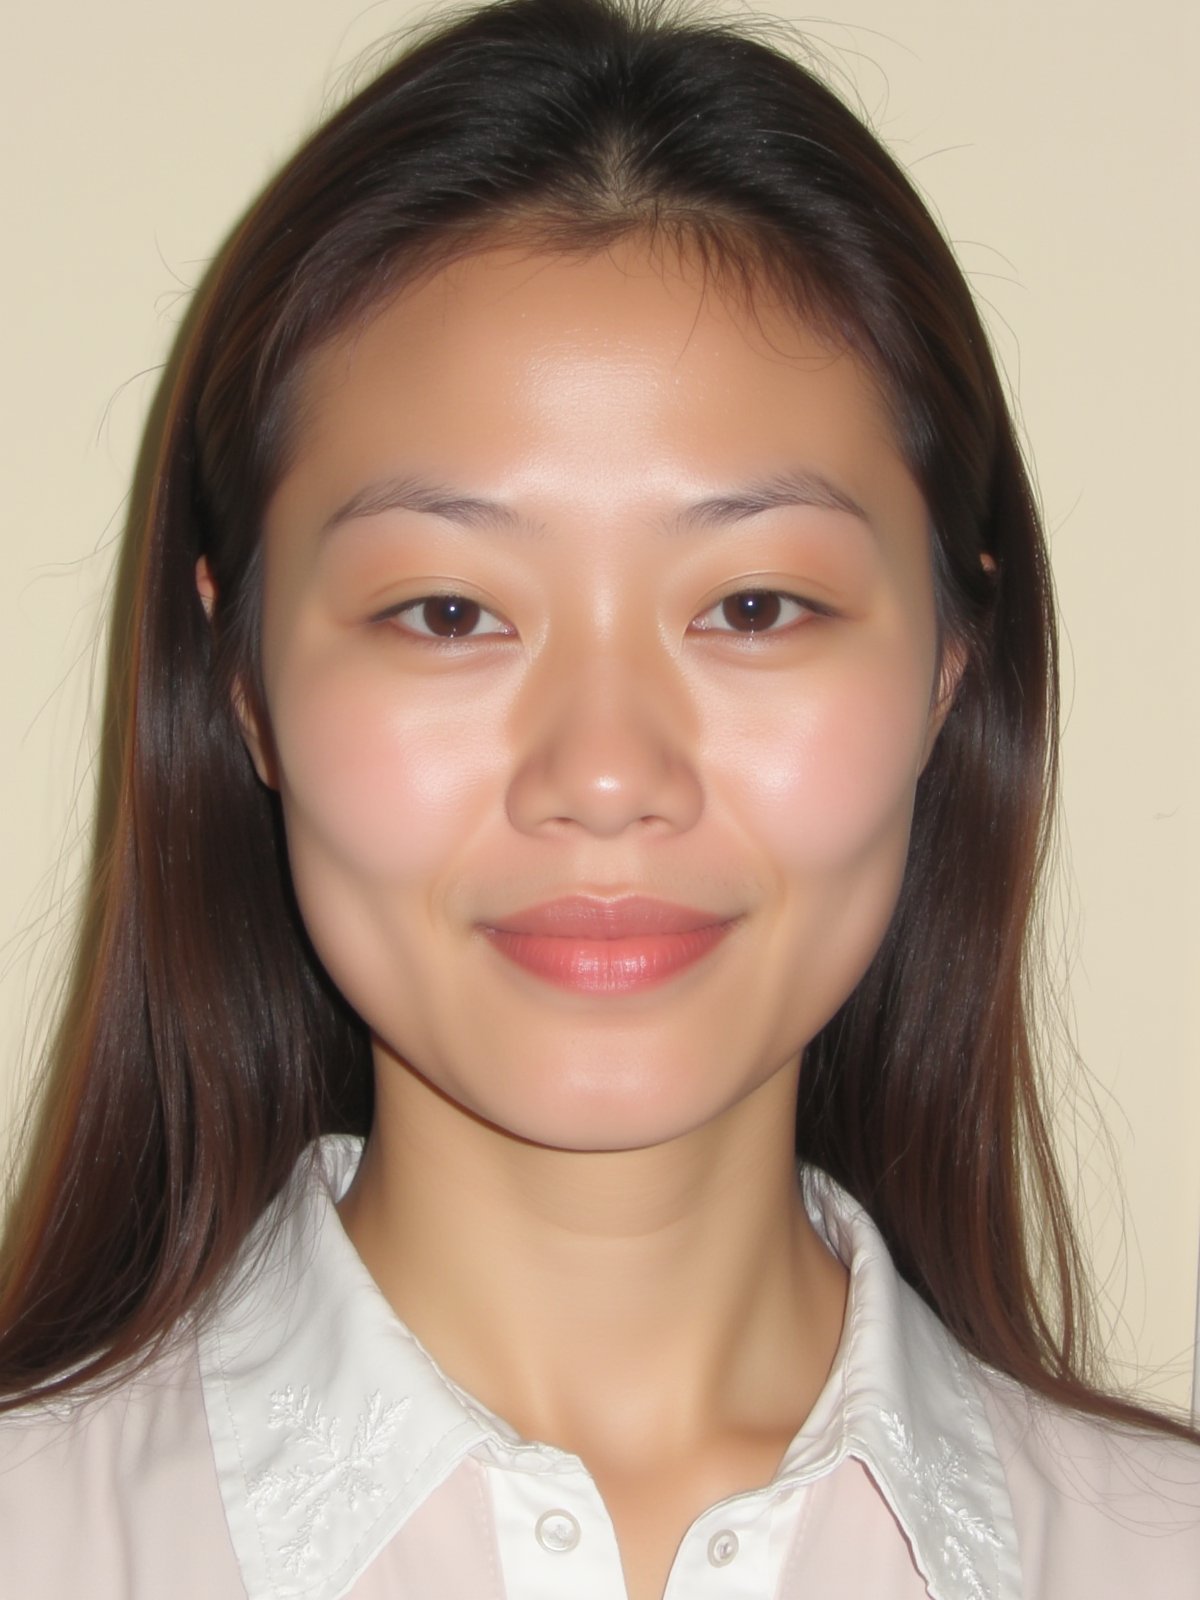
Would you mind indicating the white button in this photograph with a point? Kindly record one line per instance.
(722, 1547)
(558, 1531)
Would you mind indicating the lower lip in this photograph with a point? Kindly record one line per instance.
(607, 966)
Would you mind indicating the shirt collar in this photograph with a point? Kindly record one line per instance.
(904, 1399)
(330, 1424)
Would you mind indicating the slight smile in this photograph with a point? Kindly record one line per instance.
(597, 946)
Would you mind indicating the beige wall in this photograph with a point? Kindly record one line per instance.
(1055, 140)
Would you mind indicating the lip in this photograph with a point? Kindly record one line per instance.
(607, 947)
(587, 917)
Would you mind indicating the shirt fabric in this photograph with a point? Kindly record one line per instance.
(299, 1444)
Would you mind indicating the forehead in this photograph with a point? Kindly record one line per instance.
(615, 373)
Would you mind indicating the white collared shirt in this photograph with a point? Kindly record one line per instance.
(303, 1446)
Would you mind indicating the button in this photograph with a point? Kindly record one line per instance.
(559, 1532)
(722, 1547)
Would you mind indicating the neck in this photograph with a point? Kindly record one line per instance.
(667, 1293)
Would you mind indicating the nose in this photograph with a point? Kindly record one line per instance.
(604, 745)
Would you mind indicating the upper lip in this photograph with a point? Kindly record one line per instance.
(586, 917)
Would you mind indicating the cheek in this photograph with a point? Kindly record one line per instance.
(825, 783)
(379, 788)
(829, 774)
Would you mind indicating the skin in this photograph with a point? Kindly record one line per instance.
(603, 1183)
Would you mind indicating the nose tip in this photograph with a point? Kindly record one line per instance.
(607, 755)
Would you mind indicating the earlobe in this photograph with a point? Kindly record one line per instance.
(953, 665)
(255, 734)
(205, 586)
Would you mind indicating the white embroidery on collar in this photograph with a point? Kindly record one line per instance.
(315, 1469)
(309, 1507)
(912, 1413)
(936, 1484)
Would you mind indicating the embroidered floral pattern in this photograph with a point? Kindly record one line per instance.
(322, 1470)
(936, 1486)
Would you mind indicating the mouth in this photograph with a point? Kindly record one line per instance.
(596, 946)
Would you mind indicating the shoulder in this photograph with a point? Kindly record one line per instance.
(115, 1493)
(1100, 1508)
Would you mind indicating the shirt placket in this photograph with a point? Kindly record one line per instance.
(556, 1539)
(728, 1553)
(554, 1535)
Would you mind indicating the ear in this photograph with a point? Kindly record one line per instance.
(953, 664)
(255, 734)
(205, 586)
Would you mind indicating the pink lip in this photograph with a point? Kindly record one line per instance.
(586, 917)
(607, 946)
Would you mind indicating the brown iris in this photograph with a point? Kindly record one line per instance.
(448, 615)
(758, 607)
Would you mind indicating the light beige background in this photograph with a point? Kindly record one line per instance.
(1056, 141)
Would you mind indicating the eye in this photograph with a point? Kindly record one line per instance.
(754, 611)
(443, 618)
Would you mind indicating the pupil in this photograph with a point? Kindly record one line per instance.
(450, 615)
(757, 606)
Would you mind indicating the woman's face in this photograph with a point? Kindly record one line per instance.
(594, 455)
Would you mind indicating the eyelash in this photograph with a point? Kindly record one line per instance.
(809, 607)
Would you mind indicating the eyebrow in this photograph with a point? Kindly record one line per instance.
(793, 488)
(415, 494)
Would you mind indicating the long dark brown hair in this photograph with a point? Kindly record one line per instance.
(204, 1048)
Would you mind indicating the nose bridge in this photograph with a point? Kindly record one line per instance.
(605, 737)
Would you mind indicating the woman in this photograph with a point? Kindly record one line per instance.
(590, 729)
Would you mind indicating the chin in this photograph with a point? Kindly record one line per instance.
(626, 1112)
